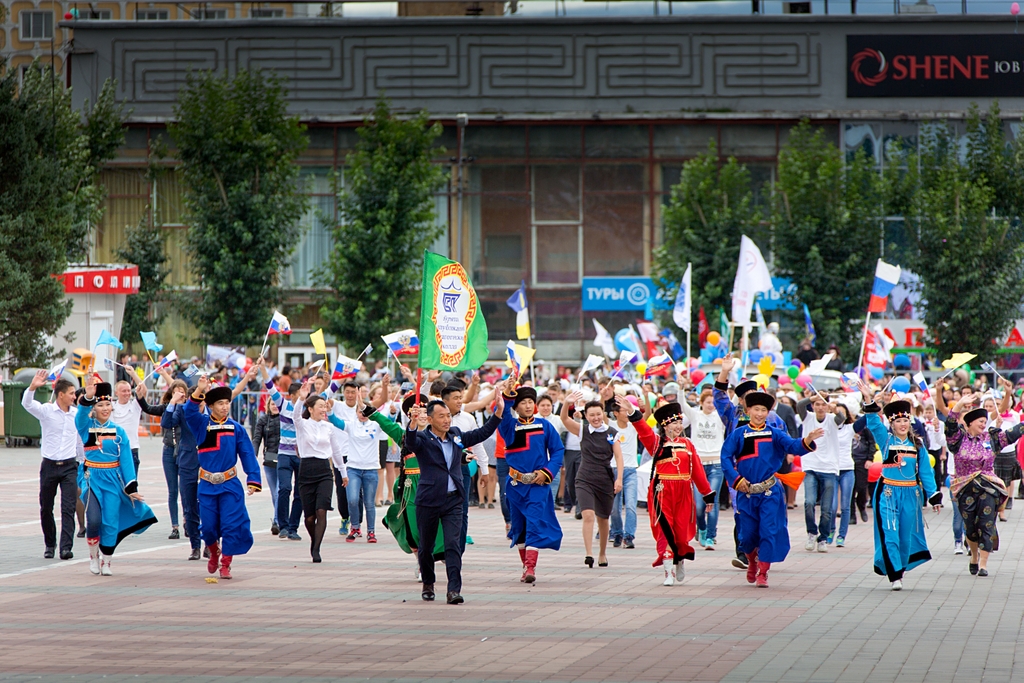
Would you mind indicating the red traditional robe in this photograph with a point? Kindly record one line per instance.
(674, 472)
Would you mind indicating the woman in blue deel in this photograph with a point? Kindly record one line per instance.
(113, 505)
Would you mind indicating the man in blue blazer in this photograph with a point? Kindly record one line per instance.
(439, 447)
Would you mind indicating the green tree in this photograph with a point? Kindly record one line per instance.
(969, 237)
(708, 213)
(237, 147)
(387, 220)
(827, 224)
(144, 246)
(49, 202)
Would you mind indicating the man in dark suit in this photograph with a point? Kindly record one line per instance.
(439, 448)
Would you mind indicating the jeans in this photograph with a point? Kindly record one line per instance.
(958, 524)
(171, 475)
(52, 476)
(361, 491)
(135, 459)
(270, 483)
(819, 486)
(287, 481)
(709, 522)
(841, 500)
(624, 498)
(554, 485)
(502, 469)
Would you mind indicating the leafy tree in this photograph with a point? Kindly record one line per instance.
(144, 246)
(237, 147)
(970, 239)
(387, 215)
(708, 213)
(826, 216)
(49, 202)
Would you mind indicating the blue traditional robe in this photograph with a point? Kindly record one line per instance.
(900, 544)
(529, 446)
(756, 455)
(107, 477)
(222, 510)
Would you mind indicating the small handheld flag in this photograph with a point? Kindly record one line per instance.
(517, 302)
(922, 384)
(149, 341)
(369, 347)
(625, 358)
(191, 371)
(886, 278)
(958, 359)
(402, 343)
(656, 363)
(57, 371)
(107, 339)
(168, 359)
(346, 367)
(317, 340)
(592, 363)
(518, 357)
(816, 367)
(279, 324)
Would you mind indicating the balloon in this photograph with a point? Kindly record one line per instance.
(693, 362)
(901, 361)
(68, 15)
(931, 459)
(877, 373)
(714, 338)
(624, 340)
(652, 422)
(798, 363)
(785, 381)
(877, 457)
(755, 356)
(1014, 9)
(803, 379)
(761, 380)
(798, 463)
(641, 367)
(697, 375)
(901, 385)
(874, 471)
(792, 371)
(717, 361)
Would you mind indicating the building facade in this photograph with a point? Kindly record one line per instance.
(572, 132)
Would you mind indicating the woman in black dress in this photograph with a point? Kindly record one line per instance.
(596, 482)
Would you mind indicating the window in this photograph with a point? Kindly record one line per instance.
(36, 25)
(94, 15)
(265, 13)
(211, 14)
(151, 15)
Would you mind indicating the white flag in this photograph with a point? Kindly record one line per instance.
(681, 313)
(592, 363)
(752, 276)
(604, 340)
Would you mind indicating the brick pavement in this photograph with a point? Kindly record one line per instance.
(358, 615)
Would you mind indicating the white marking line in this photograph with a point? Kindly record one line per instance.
(29, 481)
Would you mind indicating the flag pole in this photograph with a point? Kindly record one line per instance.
(265, 338)
(689, 372)
(864, 340)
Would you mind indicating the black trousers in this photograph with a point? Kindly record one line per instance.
(449, 515)
(51, 475)
(339, 489)
(861, 493)
(571, 463)
(188, 489)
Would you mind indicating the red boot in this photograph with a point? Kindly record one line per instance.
(762, 574)
(530, 575)
(752, 566)
(225, 566)
(522, 558)
(214, 562)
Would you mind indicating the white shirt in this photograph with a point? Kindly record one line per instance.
(826, 457)
(363, 451)
(845, 448)
(314, 439)
(707, 432)
(60, 440)
(466, 422)
(936, 436)
(339, 439)
(127, 416)
(627, 439)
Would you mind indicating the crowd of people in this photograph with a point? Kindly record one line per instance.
(424, 452)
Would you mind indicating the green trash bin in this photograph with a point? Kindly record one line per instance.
(21, 428)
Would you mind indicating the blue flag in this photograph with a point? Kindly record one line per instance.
(810, 326)
(107, 339)
(674, 347)
(149, 339)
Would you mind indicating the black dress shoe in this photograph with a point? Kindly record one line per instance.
(974, 569)
(174, 534)
(982, 572)
(66, 554)
(206, 552)
(48, 553)
(274, 529)
(81, 533)
(195, 554)
(428, 592)
(454, 598)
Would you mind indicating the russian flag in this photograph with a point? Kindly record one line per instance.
(279, 325)
(57, 371)
(886, 278)
(922, 384)
(404, 342)
(168, 359)
(656, 363)
(346, 367)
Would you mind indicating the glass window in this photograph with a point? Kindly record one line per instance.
(748, 141)
(211, 14)
(613, 178)
(347, 141)
(94, 14)
(320, 138)
(555, 142)
(151, 14)
(557, 254)
(613, 234)
(556, 193)
(762, 177)
(617, 141)
(500, 234)
(497, 179)
(830, 131)
(266, 13)
(36, 25)
(556, 314)
(501, 320)
(316, 240)
(863, 136)
(495, 142)
(683, 140)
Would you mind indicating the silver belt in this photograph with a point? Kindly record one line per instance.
(763, 486)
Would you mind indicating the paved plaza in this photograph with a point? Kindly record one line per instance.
(358, 616)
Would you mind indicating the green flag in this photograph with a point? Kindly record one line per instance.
(724, 325)
(453, 332)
